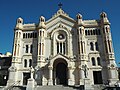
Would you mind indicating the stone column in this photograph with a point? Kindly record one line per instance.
(31, 82)
(81, 76)
(81, 73)
(70, 80)
(50, 81)
(31, 72)
(112, 75)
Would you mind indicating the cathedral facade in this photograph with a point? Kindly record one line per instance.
(63, 51)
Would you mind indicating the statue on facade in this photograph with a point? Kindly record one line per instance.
(85, 70)
(31, 72)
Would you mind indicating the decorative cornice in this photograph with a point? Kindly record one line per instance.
(60, 12)
(61, 26)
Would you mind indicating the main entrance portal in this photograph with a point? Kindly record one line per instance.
(97, 77)
(60, 69)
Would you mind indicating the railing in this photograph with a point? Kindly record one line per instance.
(11, 86)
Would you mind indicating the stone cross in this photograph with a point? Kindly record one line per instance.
(60, 5)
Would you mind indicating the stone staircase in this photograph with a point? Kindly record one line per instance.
(14, 88)
(18, 88)
(58, 87)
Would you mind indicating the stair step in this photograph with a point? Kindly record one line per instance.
(58, 87)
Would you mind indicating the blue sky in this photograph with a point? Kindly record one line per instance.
(31, 10)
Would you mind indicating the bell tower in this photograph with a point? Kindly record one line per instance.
(81, 47)
(109, 52)
(41, 41)
(17, 47)
(41, 49)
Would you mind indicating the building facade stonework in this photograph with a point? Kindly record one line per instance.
(63, 51)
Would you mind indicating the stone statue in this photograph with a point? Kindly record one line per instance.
(85, 70)
(31, 72)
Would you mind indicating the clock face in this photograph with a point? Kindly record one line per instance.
(61, 36)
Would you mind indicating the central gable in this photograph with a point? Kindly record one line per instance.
(60, 18)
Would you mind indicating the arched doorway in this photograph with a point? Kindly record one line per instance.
(60, 72)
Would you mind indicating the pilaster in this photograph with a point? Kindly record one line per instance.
(50, 81)
(71, 80)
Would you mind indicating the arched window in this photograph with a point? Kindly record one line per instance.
(93, 61)
(91, 46)
(86, 32)
(16, 34)
(26, 49)
(25, 63)
(94, 32)
(81, 47)
(28, 35)
(57, 47)
(96, 46)
(109, 44)
(40, 49)
(23, 35)
(19, 34)
(15, 50)
(31, 48)
(91, 32)
(80, 31)
(30, 62)
(98, 61)
(61, 47)
(106, 29)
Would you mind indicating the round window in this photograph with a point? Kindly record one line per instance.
(61, 36)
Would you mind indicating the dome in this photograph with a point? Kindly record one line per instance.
(42, 22)
(79, 16)
(42, 19)
(103, 15)
(19, 20)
